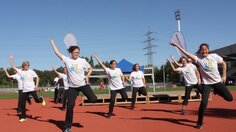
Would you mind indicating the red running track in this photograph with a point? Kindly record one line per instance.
(220, 116)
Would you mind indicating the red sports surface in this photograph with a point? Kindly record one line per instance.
(220, 116)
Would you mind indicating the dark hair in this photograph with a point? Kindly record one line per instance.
(181, 58)
(72, 48)
(24, 63)
(203, 44)
(135, 66)
(112, 61)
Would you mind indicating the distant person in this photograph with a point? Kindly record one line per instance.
(56, 88)
(208, 65)
(138, 82)
(29, 87)
(17, 77)
(65, 87)
(191, 78)
(77, 81)
(115, 82)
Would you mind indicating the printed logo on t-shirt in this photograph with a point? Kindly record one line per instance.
(188, 70)
(138, 77)
(115, 75)
(74, 68)
(208, 66)
(25, 77)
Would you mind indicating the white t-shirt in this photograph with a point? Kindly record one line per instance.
(19, 81)
(189, 74)
(65, 80)
(114, 78)
(137, 78)
(27, 78)
(76, 69)
(209, 68)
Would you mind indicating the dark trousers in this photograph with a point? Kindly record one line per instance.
(219, 89)
(188, 90)
(141, 90)
(55, 94)
(65, 98)
(59, 97)
(113, 98)
(72, 95)
(25, 96)
(20, 100)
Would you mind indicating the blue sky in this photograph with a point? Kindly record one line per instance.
(114, 29)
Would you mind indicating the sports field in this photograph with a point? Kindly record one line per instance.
(220, 116)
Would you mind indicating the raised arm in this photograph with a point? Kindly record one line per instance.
(12, 62)
(57, 52)
(224, 67)
(5, 70)
(99, 61)
(55, 70)
(184, 51)
(177, 63)
(172, 66)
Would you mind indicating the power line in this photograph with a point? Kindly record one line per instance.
(149, 46)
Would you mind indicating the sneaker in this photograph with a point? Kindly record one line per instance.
(132, 107)
(63, 108)
(182, 112)
(109, 116)
(198, 126)
(67, 130)
(22, 120)
(43, 102)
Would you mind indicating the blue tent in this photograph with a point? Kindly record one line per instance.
(126, 66)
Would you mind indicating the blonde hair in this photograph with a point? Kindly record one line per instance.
(24, 63)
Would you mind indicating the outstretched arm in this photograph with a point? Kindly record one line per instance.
(57, 52)
(12, 62)
(55, 70)
(177, 63)
(172, 66)
(99, 61)
(184, 51)
(7, 73)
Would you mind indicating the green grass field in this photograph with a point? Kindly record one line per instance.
(98, 91)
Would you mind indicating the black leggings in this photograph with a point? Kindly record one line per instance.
(65, 98)
(72, 95)
(20, 100)
(141, 90)
(113, 98)
(188, 90)
(25, 96)
(59, 97)
(219, 89)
